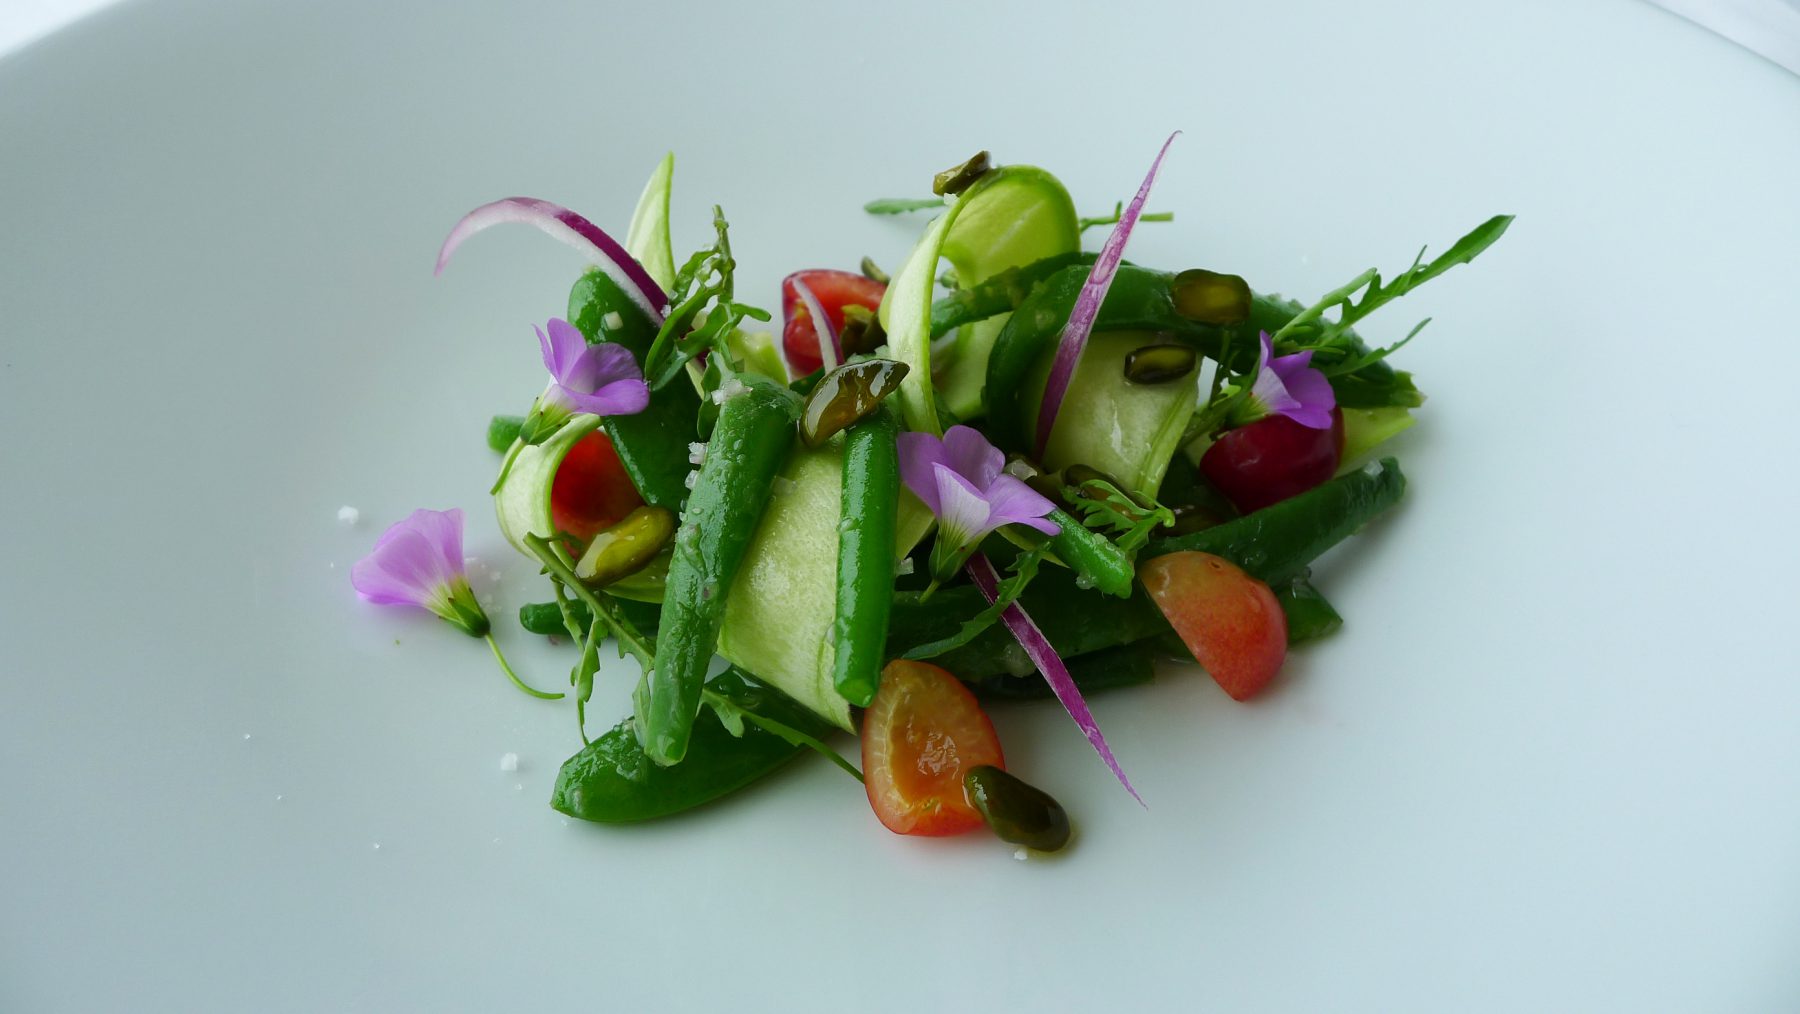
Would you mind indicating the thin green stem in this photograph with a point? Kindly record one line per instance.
(603, 607)
(506, 668)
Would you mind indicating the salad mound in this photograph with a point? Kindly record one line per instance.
(1028, 475)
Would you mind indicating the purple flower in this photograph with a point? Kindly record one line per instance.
(1289, 386)
(419, 562)
(960, 478)
(600, 379)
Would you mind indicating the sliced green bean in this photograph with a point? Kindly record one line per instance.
(865, 561)
(1309, 615)
(752, 437)
(1096, 560)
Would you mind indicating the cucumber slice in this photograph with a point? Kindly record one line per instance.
(1013, 216)
(778, 617)
(647, 238)
(1127, 430)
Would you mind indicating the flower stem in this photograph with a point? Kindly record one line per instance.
(508, 670)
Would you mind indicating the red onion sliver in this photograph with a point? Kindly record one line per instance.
(563, 224)
(1048, 662)
(1087, 307)
(830, 353)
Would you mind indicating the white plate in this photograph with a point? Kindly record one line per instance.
(1551, 761)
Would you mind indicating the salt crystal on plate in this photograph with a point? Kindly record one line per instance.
(349, 515)
(509, 762)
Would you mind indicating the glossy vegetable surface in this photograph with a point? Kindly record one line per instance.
(1272, 459)
(614, 781)
(752, 437)
(1016, 811)
(865, 557)
(922, 734)
(1229, 620)
(591, 491)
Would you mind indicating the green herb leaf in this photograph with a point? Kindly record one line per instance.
(1110, 510)
(902, 205)
(1023, 570)
(1310, 329)
(1118, 211)
(733, 717)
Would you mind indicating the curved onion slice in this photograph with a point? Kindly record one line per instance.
(830, 352)
(1087, 305)
(563, 224)
(1037, 646)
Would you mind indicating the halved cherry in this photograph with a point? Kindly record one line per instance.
(834, 290)
(1272, 459)
(1228, 619)
(591, 491)
(923, 732)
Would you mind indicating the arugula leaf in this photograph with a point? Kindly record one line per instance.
(902, 205)
(734, 716)
(1310, 329)
(1023, 570)
(703, 312)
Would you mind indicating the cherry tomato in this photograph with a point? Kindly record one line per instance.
(921, 734)
(834, 290)
(1272, 459)
(1228, 619)
(591, 491)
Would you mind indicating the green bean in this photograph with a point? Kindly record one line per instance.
(613, 781)
(865, 562)
(1279, 541)
(502, 431)
(1076, 621)
(546, 617)
(652, 444)
(752, 437)
(1095, 559)
(1124, 665)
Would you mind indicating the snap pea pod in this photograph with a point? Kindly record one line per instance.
(1279, 541)
(613, 781)
(503, 430)
(652, 444)
(752, 437)
(865, 561)
(546, 617)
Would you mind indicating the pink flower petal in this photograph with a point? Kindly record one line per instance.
(1012, 502)
(414, 561)
(970, 454)
(918, 453)
(965, 515)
